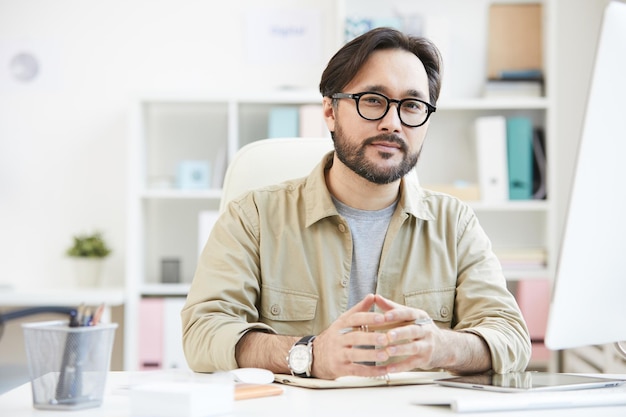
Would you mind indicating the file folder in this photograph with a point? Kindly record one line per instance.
(491, 157)
(519, 134)
(283, 122)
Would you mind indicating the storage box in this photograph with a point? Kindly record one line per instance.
(182, 399)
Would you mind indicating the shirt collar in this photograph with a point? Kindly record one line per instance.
(319, 204)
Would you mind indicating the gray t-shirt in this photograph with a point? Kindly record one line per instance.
(368, 229)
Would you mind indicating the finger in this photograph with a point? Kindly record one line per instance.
(385, 303)
(367, 355)
(404, 336)
(408, 363)
(363, 338)
(372, 371)
(363, 322)
(361, 315)
(364, 305)
(393, 311)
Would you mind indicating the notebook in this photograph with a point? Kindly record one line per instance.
(400, 378)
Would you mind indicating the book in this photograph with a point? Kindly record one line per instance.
(283, 122)
(514, 39)
(519, 137)
(491, 157)
(532, 74)
(513, 88)
(522, 258)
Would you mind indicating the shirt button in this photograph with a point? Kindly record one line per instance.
(275, 309)
(444, 311)
(344, 282)
(341, 227)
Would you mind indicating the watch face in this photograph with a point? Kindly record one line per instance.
(299, 359)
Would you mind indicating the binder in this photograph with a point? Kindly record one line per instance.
(312, 123)
(539, 166)
(206, 221)
(519, 134)
(173, 354)
(491, 157)
(533, 298)
(150, 333)
(283, 122)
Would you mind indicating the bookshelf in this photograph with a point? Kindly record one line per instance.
(169, 127)
(163, 218)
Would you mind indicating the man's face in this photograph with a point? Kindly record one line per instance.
(381, 151)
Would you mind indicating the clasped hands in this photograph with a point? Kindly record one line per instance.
(373, 344)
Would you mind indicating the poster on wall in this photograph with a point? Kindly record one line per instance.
(276, 36)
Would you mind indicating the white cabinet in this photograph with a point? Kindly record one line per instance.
(169, 128)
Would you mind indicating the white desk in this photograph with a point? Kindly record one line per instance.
(300, 402)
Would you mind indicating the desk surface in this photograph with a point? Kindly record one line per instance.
(303, 402)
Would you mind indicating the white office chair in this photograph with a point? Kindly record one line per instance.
(271, 161)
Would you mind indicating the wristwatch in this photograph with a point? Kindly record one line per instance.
(300, 358)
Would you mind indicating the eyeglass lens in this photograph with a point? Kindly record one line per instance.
(375, 106)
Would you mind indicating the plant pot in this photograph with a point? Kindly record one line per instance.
(88, 271)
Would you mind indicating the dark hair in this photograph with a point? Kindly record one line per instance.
(344, 65)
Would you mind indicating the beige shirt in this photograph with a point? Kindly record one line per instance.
(279, 258)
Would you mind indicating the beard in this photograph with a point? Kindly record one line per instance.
(353, 156)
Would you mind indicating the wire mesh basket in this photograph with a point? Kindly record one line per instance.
(68, 365)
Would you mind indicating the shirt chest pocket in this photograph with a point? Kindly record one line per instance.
(286, 310)
(438, 303)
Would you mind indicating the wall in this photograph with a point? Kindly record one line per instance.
(63, 143)
(63, 138)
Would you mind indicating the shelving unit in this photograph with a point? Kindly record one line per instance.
(167, 128)
(593, 359)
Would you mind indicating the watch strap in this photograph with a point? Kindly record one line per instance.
(305, 340)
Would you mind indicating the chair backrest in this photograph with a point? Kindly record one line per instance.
(271, 161)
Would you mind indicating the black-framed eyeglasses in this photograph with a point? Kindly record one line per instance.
(412, 112)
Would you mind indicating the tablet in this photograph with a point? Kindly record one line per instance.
(528, 381)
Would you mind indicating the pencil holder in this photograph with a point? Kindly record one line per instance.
(68, 366)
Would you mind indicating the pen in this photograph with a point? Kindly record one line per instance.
(97, 315)
(86, 317)
(74, 318)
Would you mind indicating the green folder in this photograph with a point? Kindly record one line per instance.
(283, 122)
(519, 138)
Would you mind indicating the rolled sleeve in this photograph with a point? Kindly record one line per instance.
(484, 305)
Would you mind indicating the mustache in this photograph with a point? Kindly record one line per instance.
(387, 137)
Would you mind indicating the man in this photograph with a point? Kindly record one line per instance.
(295, 277)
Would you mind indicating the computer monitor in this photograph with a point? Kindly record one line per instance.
(588, 304)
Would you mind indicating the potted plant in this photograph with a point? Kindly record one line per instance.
(88, 252)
